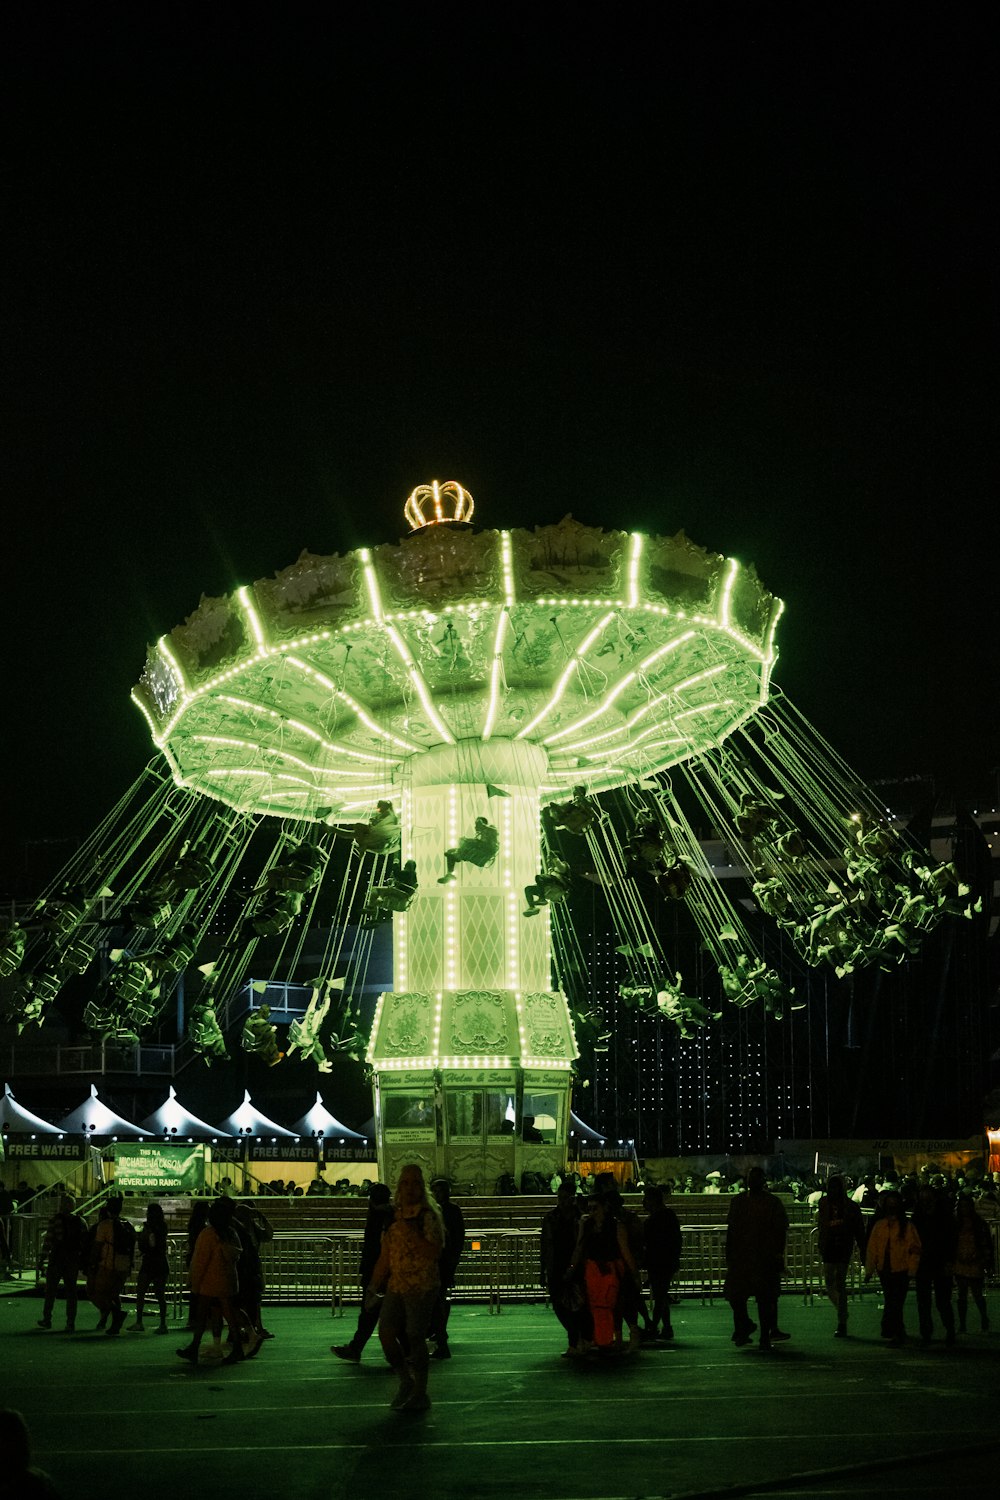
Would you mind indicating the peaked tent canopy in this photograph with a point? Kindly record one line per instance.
(14, 1119)
(94, 1118)
(319, 1122)
(248, 1121)
(173, 1119)
(583, 1132)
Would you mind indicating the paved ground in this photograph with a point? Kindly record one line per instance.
(510, 1418)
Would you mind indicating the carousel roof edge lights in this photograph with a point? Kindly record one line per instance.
(301, 695)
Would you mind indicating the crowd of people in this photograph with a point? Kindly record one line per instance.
(598, 1257)
(607, 1268)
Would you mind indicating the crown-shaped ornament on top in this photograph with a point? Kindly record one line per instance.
(436, 504)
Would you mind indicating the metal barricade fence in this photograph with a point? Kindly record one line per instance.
(297, 1267)
(500, 1264)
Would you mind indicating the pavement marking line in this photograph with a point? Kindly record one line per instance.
(800, 1478)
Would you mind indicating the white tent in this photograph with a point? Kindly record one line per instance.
(93, 1118)
(318, 1121)
(248, 1121)
(172, 1119)
(16, 1120)
(582, 1132)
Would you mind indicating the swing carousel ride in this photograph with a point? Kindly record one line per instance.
(450, 733)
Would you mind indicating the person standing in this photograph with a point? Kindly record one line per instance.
(197, 1219)
(154, 1267)
(934, 1222)
(661, 1253)
(454, 1248)
(841, 1227)
(756, 1231)
(112, 1250)
(63, 1248)
(407, 1272)
(7, 1207)
(560, 1229)
(893, 1253)
(605, 1256)
(380, 1215)
(973, 1258)
(215, 1278)
(254, 1229)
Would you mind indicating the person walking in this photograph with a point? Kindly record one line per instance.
(62, 1247)
(893, 1253)
(605, 1255)
(454, 1247)
(154, 1267)
(973, 1258)
(380, 1215)
(112, 1251)
(841, 1228)
(215, 1278)
(254, 1229)
(934, 1221)
(756, 1231)
(197, 1219)
(661, 1253)
(407, 1272)
(560, 1229)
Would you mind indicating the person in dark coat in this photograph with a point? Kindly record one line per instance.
(560, 1231)
(935, 1223)
(154, 1266)
(973, 1260)
(454, 1246)
(661, 1254)
(380, 1215)
(254, 1229)
(841, 1227)
(63, 1247)
(756, 1230)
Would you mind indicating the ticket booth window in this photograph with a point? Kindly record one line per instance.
(408, 1111)
(473, 1113)
(542, 1118)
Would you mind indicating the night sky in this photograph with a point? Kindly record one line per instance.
(724, 268)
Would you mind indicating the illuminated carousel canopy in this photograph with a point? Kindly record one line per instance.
(619, 655)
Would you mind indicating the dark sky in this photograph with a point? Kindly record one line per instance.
(719, 267)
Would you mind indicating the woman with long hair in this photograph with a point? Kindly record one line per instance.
(407, 1272)
(609, 1273)
(214, 1278)
(893, 1254)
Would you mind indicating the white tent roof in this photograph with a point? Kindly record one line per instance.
(318, 1121)
(95, 1118)
(15, 1119)
(582, 1131)
(173, 1119)
(248, 1120)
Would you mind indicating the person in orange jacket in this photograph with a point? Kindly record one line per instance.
(893, 1254)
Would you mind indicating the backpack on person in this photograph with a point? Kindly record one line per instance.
(124, 1246)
